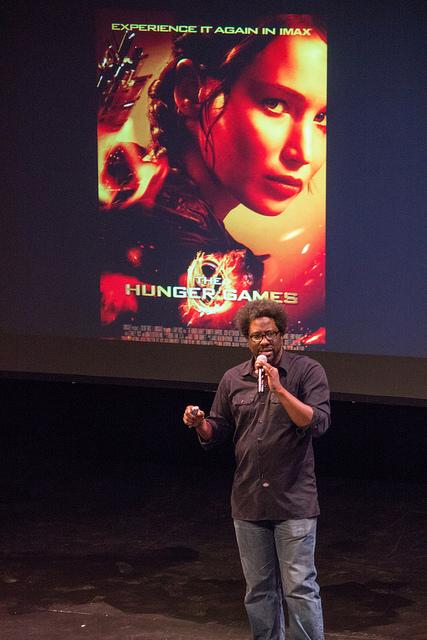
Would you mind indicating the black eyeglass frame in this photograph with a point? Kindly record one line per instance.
(270, 335)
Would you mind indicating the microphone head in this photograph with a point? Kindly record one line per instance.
(261, 358)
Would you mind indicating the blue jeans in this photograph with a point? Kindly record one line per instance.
(278, 558)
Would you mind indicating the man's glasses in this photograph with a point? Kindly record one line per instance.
(270, 335)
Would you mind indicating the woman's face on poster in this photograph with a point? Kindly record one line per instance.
(270, 138)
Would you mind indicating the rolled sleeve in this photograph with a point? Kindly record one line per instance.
(315, 393)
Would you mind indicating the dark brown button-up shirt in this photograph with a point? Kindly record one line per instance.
(274, 477)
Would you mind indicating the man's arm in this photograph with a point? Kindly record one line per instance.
(313, 409)
(300, 413)
(217, 426)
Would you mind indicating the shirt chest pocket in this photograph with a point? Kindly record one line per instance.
(276, 409)
(243, 404)
(274, 400)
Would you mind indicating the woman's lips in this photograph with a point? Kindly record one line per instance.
(284, 186)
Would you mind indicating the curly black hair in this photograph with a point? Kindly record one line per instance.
(261, 309)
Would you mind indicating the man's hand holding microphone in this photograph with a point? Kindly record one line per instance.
(267, 373)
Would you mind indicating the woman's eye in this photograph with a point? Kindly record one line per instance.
(320, 118)
(275, 106)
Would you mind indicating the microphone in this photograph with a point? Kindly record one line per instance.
(261, 359)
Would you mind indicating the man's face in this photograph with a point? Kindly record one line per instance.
(272, 349)
(270, 138)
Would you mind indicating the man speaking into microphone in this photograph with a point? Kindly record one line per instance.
(272, 406)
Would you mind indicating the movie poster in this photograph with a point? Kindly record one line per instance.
(212, 172)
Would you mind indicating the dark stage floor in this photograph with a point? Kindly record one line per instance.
(154, 558)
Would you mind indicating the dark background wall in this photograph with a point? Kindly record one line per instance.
(56, 434)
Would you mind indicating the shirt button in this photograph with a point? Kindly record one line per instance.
(259, 420)
(266, 484)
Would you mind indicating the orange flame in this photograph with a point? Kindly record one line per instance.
(145, 178)
(113, 296)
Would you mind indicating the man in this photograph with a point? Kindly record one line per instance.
(274, 496)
